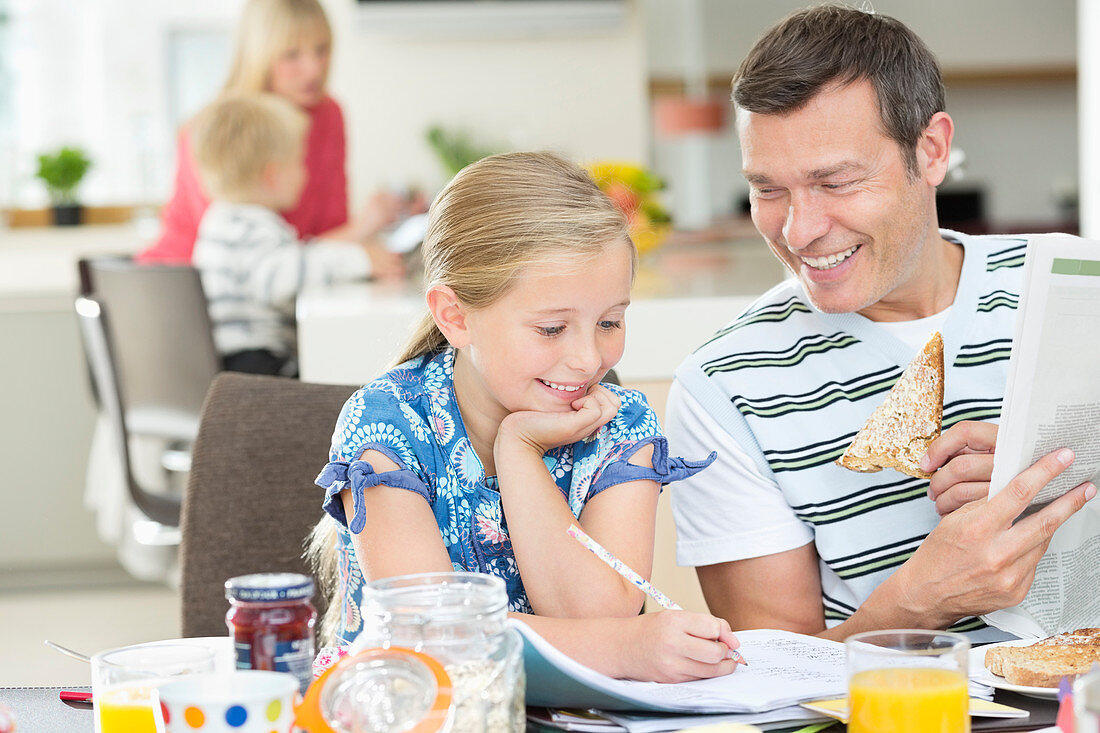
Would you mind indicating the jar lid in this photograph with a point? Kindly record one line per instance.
(394, 689)
(267, 587)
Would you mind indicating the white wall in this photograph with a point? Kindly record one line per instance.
(970, 34)
(1020, 139)
(94, 73)
(1088, 84)
(581, 93)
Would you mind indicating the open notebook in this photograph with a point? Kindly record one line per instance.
(784, 669)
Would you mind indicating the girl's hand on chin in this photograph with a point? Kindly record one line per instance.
(542, 431)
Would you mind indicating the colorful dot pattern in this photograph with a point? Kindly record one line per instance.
(235, 717)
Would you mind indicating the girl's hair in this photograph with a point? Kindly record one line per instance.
(494, 219)
(266, 29)
(503, 214)
(236, 137)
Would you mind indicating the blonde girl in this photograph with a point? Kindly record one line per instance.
(282, 47)
(495, 432)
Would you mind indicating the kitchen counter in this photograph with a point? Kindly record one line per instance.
(684, 292)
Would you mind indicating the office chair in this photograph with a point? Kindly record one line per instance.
(151, 356)
(250, 500)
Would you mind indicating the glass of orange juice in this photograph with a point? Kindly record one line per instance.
(124, 683)
(908, 681)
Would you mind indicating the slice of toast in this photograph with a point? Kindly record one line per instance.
(995, 656)
(1047, 661)
(898, 432)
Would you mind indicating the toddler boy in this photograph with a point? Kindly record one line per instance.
(249, 151)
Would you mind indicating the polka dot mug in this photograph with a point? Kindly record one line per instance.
(245, 701)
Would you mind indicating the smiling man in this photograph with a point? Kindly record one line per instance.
(844, 139)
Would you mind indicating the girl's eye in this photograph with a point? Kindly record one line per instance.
(610, 325)
(550, 330)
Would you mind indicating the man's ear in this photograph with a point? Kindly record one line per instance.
(934, 149)
(449, 314)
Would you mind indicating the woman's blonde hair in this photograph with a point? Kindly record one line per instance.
(266, 29)
(236, 137)
(496, 218)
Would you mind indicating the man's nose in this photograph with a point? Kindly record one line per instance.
(807, 221)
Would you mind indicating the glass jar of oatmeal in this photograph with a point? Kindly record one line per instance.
(460, 619)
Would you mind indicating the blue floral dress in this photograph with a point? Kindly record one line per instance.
(411, 415)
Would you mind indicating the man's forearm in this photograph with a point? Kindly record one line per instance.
(890, 606)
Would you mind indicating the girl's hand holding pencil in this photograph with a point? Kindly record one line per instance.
(723, 635)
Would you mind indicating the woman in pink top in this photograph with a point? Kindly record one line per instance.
(283, 47)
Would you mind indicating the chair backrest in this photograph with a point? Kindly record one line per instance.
(250, 499)
(161, 341)
(92, 322)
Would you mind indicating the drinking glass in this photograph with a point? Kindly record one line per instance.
(124, 683)
(908, 681)
(1086, 702)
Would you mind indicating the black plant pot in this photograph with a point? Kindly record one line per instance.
(68, 215)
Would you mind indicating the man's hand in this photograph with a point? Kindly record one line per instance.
(541, 431)
(977, 560)
(961, 463)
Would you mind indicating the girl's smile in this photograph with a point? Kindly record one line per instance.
(568, 392)
(545, 342)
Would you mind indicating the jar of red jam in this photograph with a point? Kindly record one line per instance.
(271, 619)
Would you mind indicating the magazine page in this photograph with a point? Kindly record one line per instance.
(1052, 400)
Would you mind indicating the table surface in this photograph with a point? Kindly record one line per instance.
(40, 710)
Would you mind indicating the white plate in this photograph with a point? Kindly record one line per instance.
(979, 673)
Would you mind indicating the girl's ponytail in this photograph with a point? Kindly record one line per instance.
(426, 339)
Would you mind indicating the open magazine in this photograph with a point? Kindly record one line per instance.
(1052, 400)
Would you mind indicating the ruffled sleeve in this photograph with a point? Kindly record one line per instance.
(634, 427)
(374, 418)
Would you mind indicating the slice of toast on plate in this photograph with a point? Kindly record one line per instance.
(996, 655)
(899, 431)
(1047, 661)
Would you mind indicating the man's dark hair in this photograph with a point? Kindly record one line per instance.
(830, 44)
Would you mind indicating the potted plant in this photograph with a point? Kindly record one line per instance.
(62, 172)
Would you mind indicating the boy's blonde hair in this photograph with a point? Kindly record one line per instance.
(235, 137)
(496, 218)
(266, 29)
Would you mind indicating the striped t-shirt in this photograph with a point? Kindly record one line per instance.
(793, 385)
(253, 266)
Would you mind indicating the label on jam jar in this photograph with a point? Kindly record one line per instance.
(271, 621)
(293, 657)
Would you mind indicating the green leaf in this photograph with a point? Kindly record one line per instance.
(454, 150)
(62, 171)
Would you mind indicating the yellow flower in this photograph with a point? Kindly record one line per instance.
(633, 189)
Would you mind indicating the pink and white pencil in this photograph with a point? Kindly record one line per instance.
(627, 572)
